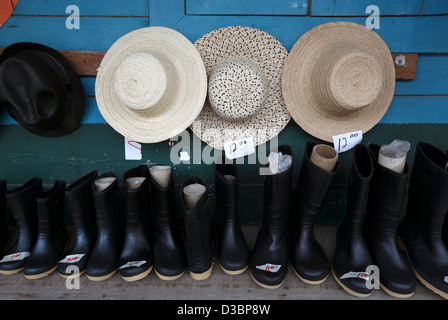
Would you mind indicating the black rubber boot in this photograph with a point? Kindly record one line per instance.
(199, 246)
(169, 252)
(52, 233)
(22, 202)
(103, 262)
(4, 231)
(308, 259)
(233, 253)
(79, 196)
(445, 222)
(421, 228)
(269, 256)
(136, 260)
(351, 256)
(384, 212)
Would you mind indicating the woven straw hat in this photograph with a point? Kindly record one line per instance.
(151, 84)
(339, 77)
(244, 67)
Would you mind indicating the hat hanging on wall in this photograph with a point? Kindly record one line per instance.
(244, 66)
(40, 89)
(339, 77)
(151, 84)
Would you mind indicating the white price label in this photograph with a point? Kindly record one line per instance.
(239, 148)
(346, 141)
(352, 274)
(72, 258)
(132, 150)
(269, 267)
(15, 256)
(133, 264)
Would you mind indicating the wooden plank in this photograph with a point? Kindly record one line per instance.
(247, 7)
(86, 7)
(358, 8)
(435, 7)
(406, 69)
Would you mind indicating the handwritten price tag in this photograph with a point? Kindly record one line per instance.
(269, 267)
(133, 264)
(132, 150)
(72, 258)
(15, 256)
(346, 141)
(239, 148)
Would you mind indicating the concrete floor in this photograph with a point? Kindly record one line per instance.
(219, 286)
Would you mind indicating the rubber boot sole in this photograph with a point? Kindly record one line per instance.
(102, 278)
(71, 276)
(8, 272)
(203, 275)
(233, 272)
(169, 278)
(40, 275)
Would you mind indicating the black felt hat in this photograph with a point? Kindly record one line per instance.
(40, 89)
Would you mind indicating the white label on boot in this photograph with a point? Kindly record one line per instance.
(360, 275)
(445, 279)
(269, 267)
(15, 256)
(133, 264)
(346, 141)
(239, 148)
(72, 258)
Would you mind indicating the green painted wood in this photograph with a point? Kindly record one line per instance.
(246, 7)
(99, 147)
(358, 8)
(110, 8)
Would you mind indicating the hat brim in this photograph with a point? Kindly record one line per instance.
(269, 55)
(74, 106)
(188, 100)
(297, 84)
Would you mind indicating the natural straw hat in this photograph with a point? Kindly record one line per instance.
(151, 84)
(339, 77)
(244, 67)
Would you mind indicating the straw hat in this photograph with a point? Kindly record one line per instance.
(339, 77)
(244, 67)
(151, 84)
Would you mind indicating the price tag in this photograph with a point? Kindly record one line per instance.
(239, 148)
(72, 258)
(346, 141)
(132, 150)
(16, 256)
(133, 264)
(269, 267)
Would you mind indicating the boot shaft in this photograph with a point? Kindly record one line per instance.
(313, 186)
(107, 207)
(22, 202)
(137, 198)
(163, 204)
(358, 188)
(386, 198)
(79, 196)
(226, 194)
(428, 190)
(50, 210)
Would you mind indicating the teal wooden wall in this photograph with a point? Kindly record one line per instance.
(419, 111)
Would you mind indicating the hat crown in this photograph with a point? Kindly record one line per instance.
(32, 90)
(237, 89)
(346, 79)
(144, 82)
